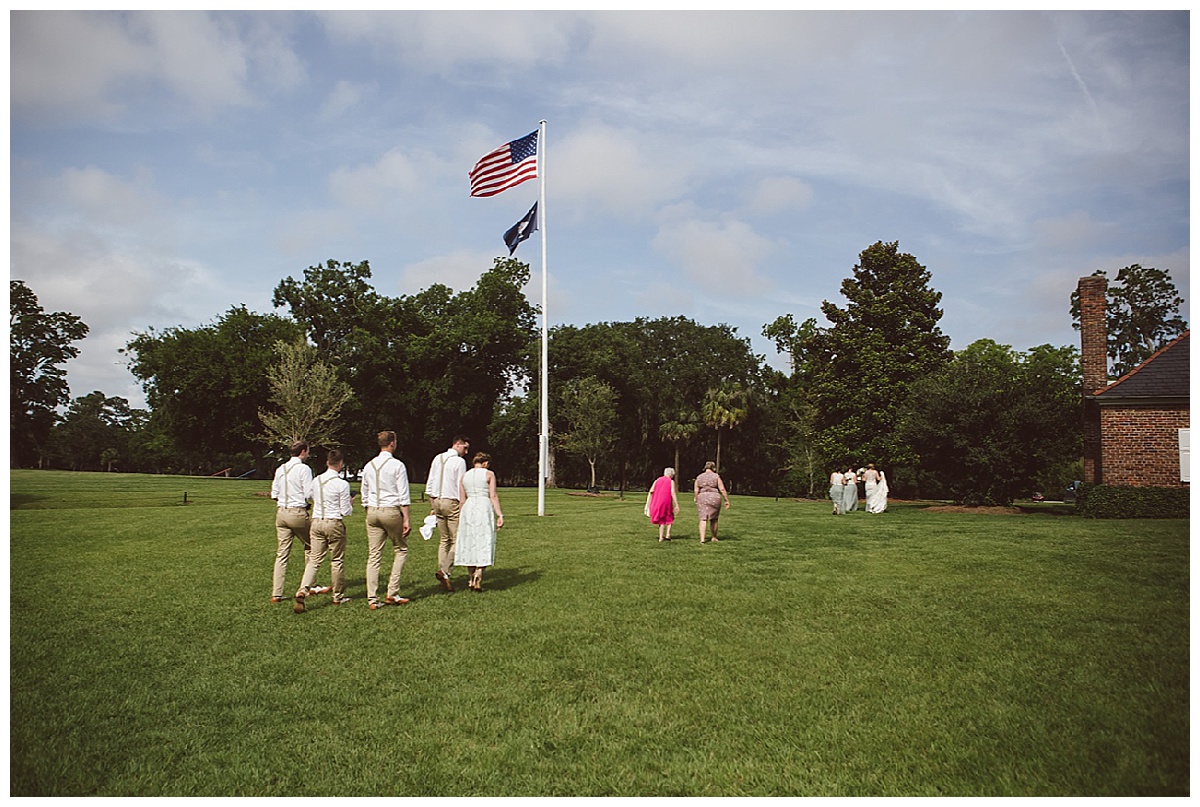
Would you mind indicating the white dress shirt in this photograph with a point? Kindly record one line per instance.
(445, 473)
(385, 482)
(330, 496)
(290, 488)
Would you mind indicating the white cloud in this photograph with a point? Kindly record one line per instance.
(98, 242)
(459, 270)
(116, 290)
(345, 96)
(735, 44)
(270, 53)
(720, 256)
(66, 64)
(778, 194)
(371, 186)
(200, 57)
(308, 232)
(662, 299)
(441, 41)
(102, 199)
(1070, 232)
(81, 271)
(94, 66)
(615, 170)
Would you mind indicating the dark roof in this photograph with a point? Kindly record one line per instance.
(1163, 375)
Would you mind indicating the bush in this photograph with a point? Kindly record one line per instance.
(1112, 501)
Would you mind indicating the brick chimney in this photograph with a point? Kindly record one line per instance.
(1094, 364)
(1093, 333)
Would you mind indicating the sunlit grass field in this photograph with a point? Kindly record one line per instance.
(905, 654)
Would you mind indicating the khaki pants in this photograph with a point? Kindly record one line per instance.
(290, 523)
(447, 511)
(384, 523)
(328, 535)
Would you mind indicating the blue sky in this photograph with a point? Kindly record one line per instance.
(724, 166)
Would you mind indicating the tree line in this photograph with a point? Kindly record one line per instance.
(878, 383)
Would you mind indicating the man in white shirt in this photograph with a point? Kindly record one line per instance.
(290, 492)
(385, 495)
(445, 473)
(330, 495)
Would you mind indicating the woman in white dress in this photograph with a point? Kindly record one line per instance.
(876, 494)
(871, 478)
(476, 547)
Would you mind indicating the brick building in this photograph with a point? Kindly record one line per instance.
(1136, 430)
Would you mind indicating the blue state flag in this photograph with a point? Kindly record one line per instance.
(521, 230)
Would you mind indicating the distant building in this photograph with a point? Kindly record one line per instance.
(1136, 430)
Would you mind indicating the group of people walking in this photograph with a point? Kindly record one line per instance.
(708, 491)
(843, 489)
(662, 502)
(464, 506)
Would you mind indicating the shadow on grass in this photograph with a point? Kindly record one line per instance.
(503, 578)
(690, 540)
(494, 579)
(18, 501)
(1048, 509)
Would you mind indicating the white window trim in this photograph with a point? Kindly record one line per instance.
(1185, 455)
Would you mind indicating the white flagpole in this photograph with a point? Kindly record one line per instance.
(544, 438)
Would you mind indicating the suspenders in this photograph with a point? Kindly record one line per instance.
(442, 478)
(286, 498)
(377, 470)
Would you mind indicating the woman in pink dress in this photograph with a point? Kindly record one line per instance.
(662, 503)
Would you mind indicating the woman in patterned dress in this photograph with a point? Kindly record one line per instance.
(708, 492)
(477, 527)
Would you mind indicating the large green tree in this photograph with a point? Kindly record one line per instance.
(98, 433)
(793, 439)
(427, 365)
(39, 346)
(858, 371)
(589, 406)
(992, 422)
(682, 427)
(659, 368)
(513, 440)
(306, 398)
(1142, 315)
(726, 406)
(791, 338)
(206, 385)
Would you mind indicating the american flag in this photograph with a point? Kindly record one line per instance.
(509, 165)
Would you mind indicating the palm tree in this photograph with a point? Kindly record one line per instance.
(679, 430)
(727, 405)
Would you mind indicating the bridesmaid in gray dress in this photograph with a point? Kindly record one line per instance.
(837, 486)
(850, 492)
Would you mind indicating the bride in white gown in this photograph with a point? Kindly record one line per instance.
(476, 547)
(877, 490)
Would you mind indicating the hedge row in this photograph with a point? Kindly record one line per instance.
(1111, 501)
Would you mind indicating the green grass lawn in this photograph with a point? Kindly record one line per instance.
(909, 653)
